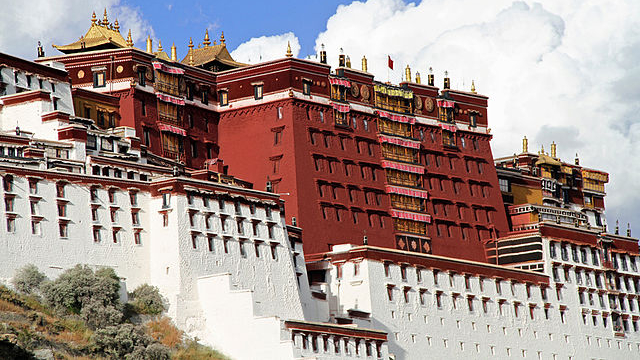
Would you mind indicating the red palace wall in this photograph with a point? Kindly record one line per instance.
(340, 160)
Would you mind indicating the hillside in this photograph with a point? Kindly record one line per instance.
(29, 329)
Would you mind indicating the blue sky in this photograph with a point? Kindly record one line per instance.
(240, 20)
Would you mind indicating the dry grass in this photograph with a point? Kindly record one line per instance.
(165, 332)
(9, 307)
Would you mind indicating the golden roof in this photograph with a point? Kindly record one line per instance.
(101, 35)
(208, 53)
(548, 160)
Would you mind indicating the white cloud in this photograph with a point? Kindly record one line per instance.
(565, 71)
(61, 22)
(266, 48)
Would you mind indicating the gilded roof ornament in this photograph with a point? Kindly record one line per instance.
(129, 39)
(206, 41)
(116, 26)
(222, 38)
(473, 87)
(105, 21)
(190, 43)
(174, 52)
(94, 19)
(159, 45)
(289, 53)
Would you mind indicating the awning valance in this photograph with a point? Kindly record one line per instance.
(411, 216)
(390, 189)
(173, 129)
(341, 108)
(402, 167)
(445, 103)
(394, 117)
(166, 68)
(400, 142)
(170, 99)
(340, 82)
(451, 128)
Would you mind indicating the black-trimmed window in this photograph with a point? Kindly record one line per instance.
(223, 96)
(306, 87)
(257, 91)
(473, 121)
(142, 71)
(205, 96)
(194, 149)
(99, 79)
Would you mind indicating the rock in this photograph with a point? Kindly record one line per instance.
(44, 354)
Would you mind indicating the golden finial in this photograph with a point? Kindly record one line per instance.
(473, 87)
(129, 39)
(116, 26)
(149, 44)
(190, 51)
(289, 53)
(364, 63)
(215, 42)
(174, 52)
(553, 149)
(222, 38)
(206, 41)
(407, 73)
(525, 145)
(94, 19)
(541, 150)
(105, 21)
(417, 77)
(159, 45)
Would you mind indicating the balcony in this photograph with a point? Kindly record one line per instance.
(174, 155)
(171, 119)
(168, 88)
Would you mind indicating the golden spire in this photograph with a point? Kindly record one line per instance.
(407, 73)
(364, 63)
(149, 44)
(105, 21)
(417, 77)
(190, 51)
(174, 52)
(541, 150)
(553, 149)
(222, 38)
(94, 19)
(525, 145)
(129, 39)
(473, 87)
(206, 41)
(289, 53)
(116, 26)
(159, 45)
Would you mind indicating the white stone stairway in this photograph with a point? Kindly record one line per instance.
(232, 327)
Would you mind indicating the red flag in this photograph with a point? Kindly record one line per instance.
(390, 62)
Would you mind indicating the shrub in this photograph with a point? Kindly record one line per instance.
(146, 299)
(116, 342)
(79, 286)
(195, 351)
(27, 279)
(97, 315)
(153, 351)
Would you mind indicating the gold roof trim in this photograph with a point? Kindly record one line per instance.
(100, 33)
